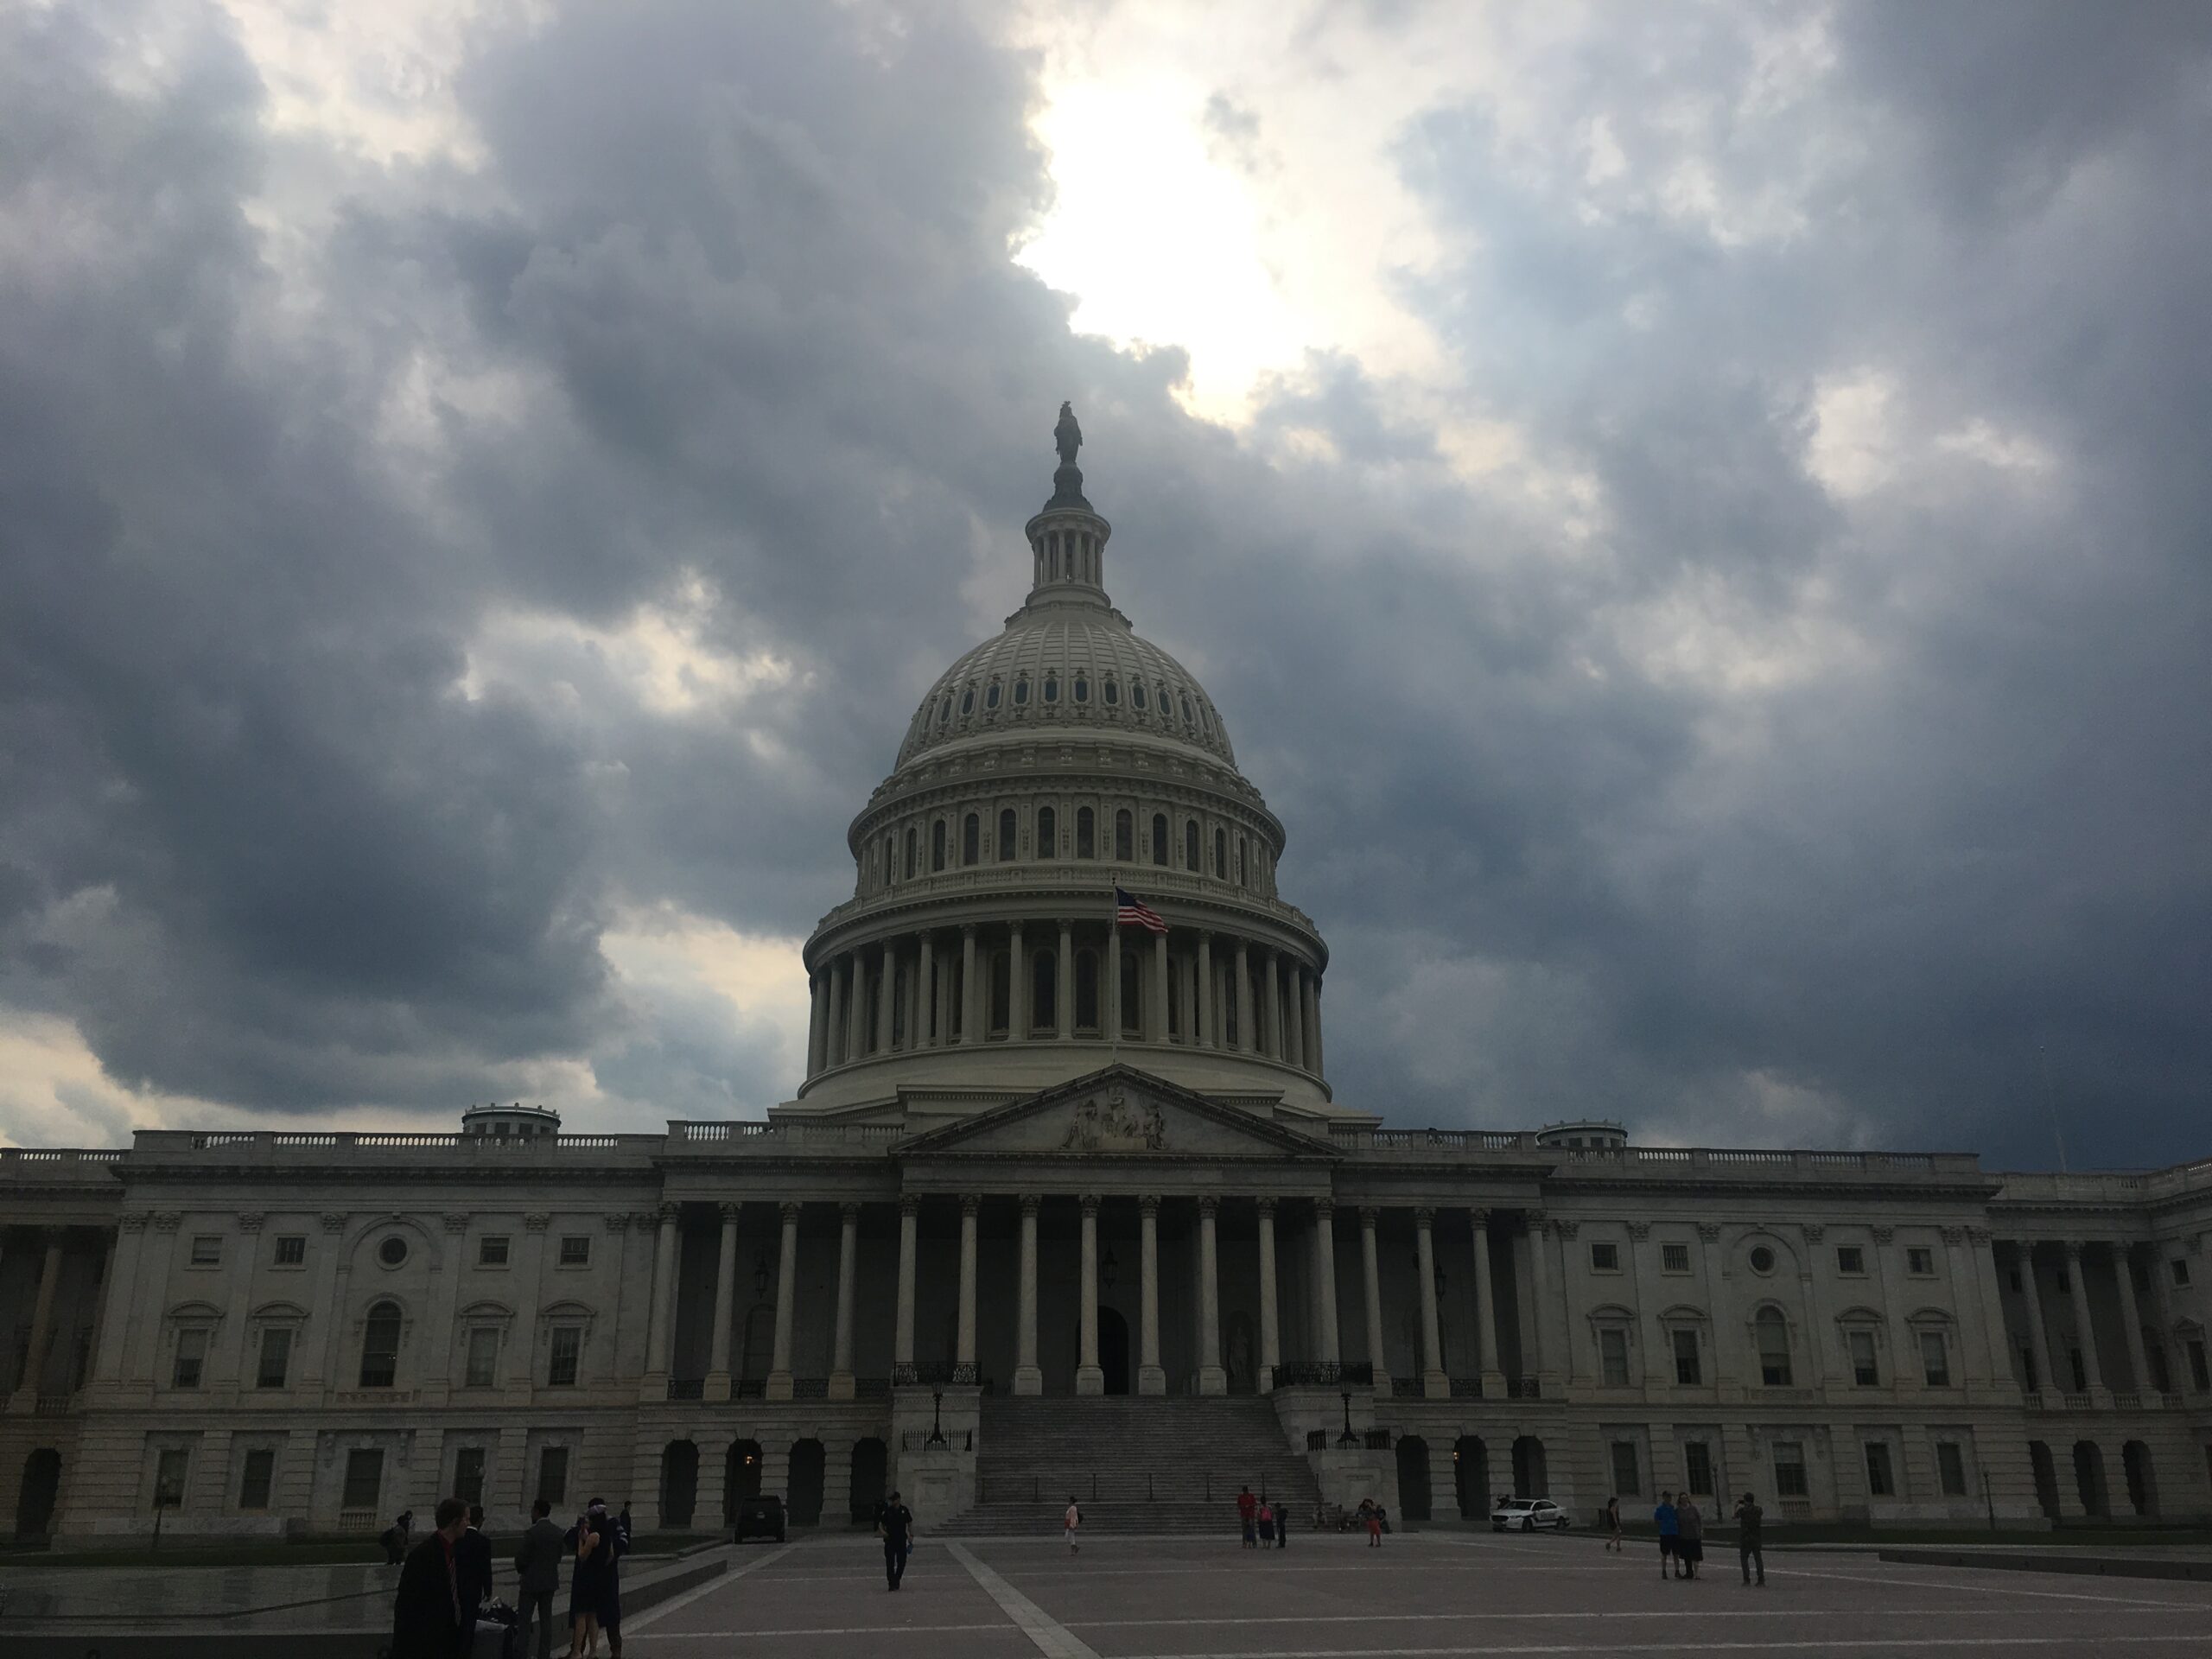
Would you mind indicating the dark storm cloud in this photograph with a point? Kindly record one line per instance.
(724, 324)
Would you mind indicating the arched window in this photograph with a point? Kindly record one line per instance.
(945, 709)
(937, 845)
(1082, 689)
(1020, 690)
(1160, 838)
(1008, 834)
(1051, 688)
(1001, 992)
(991, 696)
(1190, 845)
(1086, 834)
(380, 1346)
(971, 839)
(913, 854)
(890, 859)
(1125, 836)
(1221, 854)
(1773, 1332)
(1086, 990)
(967, 700)
(1166, 706)
(1136, 693)
(1044, 991)
(1187, 721)
(1132, 1004)
(1048, 833)
(1113, 691)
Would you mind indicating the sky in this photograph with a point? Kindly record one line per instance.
(1696, 515)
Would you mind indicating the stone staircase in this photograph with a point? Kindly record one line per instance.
(1135, 1464)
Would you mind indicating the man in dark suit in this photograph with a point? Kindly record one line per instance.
(471, 1563)
(537, 1558)
(426, 1622)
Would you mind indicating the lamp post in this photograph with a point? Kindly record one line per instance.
(1347, 1438)
(936, 1440)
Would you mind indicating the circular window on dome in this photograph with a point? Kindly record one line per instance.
(392, 1251)
(1082, 690)
(1021, 691)
(991, 697)
(968, 700)
(1762, 1259)
(1113, 692)
(1136, 695)
(1051, 688)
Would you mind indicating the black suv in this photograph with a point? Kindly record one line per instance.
(761, 1517)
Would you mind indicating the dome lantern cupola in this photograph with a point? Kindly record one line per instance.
(1067, 540)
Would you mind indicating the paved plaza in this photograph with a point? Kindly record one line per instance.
(1422, 1596)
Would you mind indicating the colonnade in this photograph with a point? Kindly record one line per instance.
(2087, 1372)
(52, 1244)
(1043, 982)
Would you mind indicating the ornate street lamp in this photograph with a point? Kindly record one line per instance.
(1347, 1438)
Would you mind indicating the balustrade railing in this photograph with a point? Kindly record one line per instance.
(1467, 1388)
(1523, 1388)
(1324, 1374)
(936, 1373)
(810, 1388)
(687, 1387)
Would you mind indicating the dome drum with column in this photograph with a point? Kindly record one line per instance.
(1061, 758)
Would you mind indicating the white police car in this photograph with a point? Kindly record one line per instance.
(1527, 1515)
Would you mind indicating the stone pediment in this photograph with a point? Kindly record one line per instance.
(1118, 1113)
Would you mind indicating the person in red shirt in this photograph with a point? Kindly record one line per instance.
(1248, 1512)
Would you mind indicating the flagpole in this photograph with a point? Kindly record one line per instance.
(1114, 936)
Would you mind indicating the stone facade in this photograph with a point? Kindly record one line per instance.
(1042, 1152)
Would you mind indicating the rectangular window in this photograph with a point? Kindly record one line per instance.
(259, 1476)
(191, 1358)
(1935, 1359)
(1613, 1355)
(207, 1249)
(1627, 1481)
(364, 1478)
(1920, 1262)
(553, 1475)
(169, 1470)
(1849, 1258)
(492, 1250)
(468, 1474)
(2180, 1265)
(291, 1250)
(483, 1357)
(1674, 1258)
(1951, 1468)
(575, 1249)
(1686, 1366)
(1697, 1464)
(1878, 1481)
(567, 1349)
(1604, 1258)
(276, 1358)
(1790, 1469)
(1864, 1371)
(2200, 1372)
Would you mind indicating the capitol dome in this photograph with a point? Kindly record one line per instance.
(980, 958)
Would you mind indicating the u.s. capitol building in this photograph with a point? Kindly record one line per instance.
(1068, 1204)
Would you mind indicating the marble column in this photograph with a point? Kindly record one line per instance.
(902, 1342)
(119, 1289)
(1028, 1379)
(833, 1031)
(1966, 1307)
(1270, 1332)
(2086, 1333)
(848, 1250)
(856, 1008)
(1485, 1309)
(1089, 1378)
(2004, 1364)
(926, 1035)
(886, 1000)
(1271, 987)
(1212, 1379)
(1151, 1379)
(1324, 1280)
(1159, 1032)
(970, 1021)
(780, 1366)
(1064, 985)
(41, 1332)
(1313, 1024)
(1293, 1007)
(657, 1358)
(1540, 1280)
(1018, 987)
(817, 1021)
(964, 1351)
(917, 1009)
(1246, 1039)
(2047, 1376)
(725, 1288)
(1205, 1033)
(1372, 1276)
(2130, 1319)
(1434, 1383)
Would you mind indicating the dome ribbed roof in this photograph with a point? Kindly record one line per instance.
(1064, 670)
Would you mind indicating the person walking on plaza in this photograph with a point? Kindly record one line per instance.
(426, 1620)
(537, 1563)
(472, 1567)
(598, 1543)
(894, 1524)
(1689, 1542)
(1670, 1527)
(1074, 1519)
(1282, 1525)
(1371, 1512)
(1248, 1513)
(1266, 1520)
(397, 1537)
(1613, 1541)
(1748, 1518)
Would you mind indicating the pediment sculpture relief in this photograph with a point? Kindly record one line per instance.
(1115, 1124)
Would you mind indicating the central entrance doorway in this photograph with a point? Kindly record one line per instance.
(1114, 1349)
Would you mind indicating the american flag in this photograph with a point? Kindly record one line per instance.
(1130, 911)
